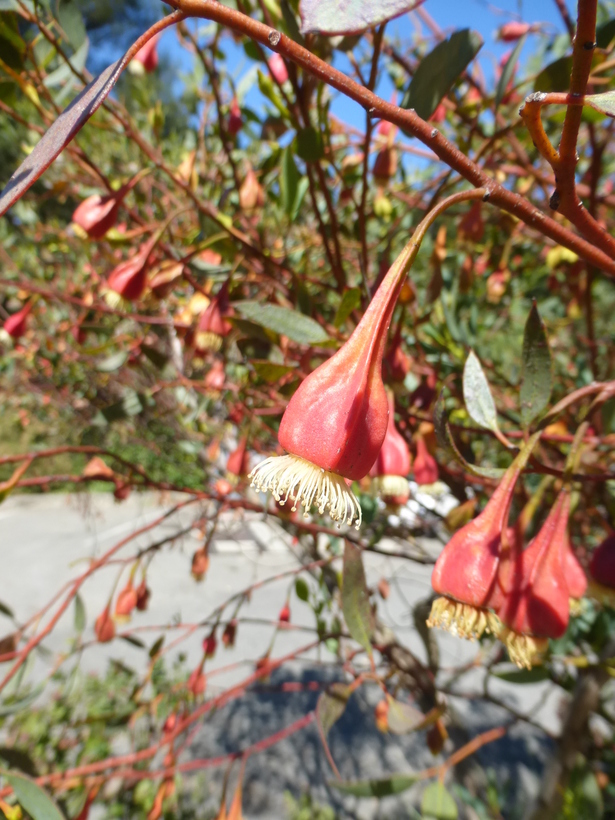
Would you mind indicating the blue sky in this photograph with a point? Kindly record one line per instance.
(481, 15)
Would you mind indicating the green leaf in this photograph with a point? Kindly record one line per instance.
(289, 181)
(134, 641)
(477, 394)
(351, 300)
(331, 705)
(555, 77)
(535, 675)
(536, 376)
(508, 71)
(447, 443)
(356, 605)
(605, 33)
(438, 803)
(383, 787)
(70, 18)
(437, 72)
(156, 647)
(605, 103)
(270, 371)
(5, 610)
(302, 589)
(80, 616)
(113, 362)
(348, 16)
(32, 798)
(282, 320)
(12, 46)
(403, 718)
(310, 144)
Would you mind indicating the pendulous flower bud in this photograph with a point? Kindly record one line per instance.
(143, 596)
(425, 465)
(238, 463)
(284, 615)
(336, 421)
(212, 326)
(126, 602)
(512, 31)
(278, 69)
(602, 572)
(129, 278)
(391, 468)
(15, 325)
(104, 627)
(234, 119)
(251, 194)
(200, 564)
(146, 58)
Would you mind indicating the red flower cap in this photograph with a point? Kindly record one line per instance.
(512, 31)
(396, 362)
(234, 120)
(104, 627)
(210, 644)
(143, 596)
(200, 564)
(284, 616)
(385, 164)
(251, 194)
(230, 633)
(278, 69)
(146, 56)
(336, 421)
(439, 115)
(129, 278)
(391, 468)
(534, 602)
(15, 325)
(98, 214)
(197, 682)
(466, 569)
(602, 571)
(576, 580)
(212, 326)
(238, 463)
(425, 465)
(126, 602)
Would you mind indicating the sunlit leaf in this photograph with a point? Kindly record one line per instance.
(349, 16)
(383, 787)
(555, 76)
(438, 803)
(508, 71)
(355, 598)
(536, 374)
(80, 616)
(282, 320)
(477, 394)
(331, 705)
(605, 103)
(350, 301)
(33, 798)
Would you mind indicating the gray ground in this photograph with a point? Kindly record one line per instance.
(48, 540)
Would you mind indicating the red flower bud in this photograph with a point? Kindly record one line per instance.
(439, 115)
(393, 464)
(397, 362)
(336, 421)
(385, 164)
(602, 572)
(284, 616)
(210, 645)
(234, 119)
(472, 226)
(212, 326)
(143, 596)
(278, 69)
(98, 214)
(512, 31)
(15, 325)
(251, 194)
(216, 376)
(146, 56)
(532, 590)
(197, 682)
(129, 278)
(126, 602)
(200, 564)
(466, 569)
(229, 634)
(425, 465)
(104, 627)
(381, 715)
(576, 580)
(238, 463)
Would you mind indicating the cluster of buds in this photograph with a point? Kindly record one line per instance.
(489, 583)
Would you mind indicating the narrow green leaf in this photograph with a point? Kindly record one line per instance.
(291, 323)
(331, 705)
(113, 362)
(477, 394)
(80, 616)
(310, 145)
(447, 443)
(355, 598)
(270, 371)
(12, 45)
(535, 675)
(536, 376)
(438, 71)
(350, 301)
(289, 180)
(5, 610)
(32, 798)
(134, 641)
(438, 803)
(383, 787)
(508, 71)
(156, 646)
(302, 589)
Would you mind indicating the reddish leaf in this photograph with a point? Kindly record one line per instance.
(70, 121)
(343, 17)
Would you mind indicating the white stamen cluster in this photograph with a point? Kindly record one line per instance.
(306, 484)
